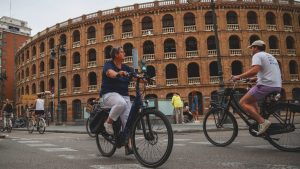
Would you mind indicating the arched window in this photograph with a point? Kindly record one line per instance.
(191, 44)
(91, 32)
(77, 81)
(151, 71)
(169, 96)
(293, 67)
(253, 38)
(148, 47)
(51, 85)
(108, 29)
(151, 96)
(27, 90)
(107, 52)
(51, 64)
(92, 55)
(63, 82)
(270, 19)
(51, 43)
(296, 94)
(273, 42)
(22, 74)
(27, 72)
(287, 19)
(252, 17)
(33, 51)
(211, 43)
(167, 21)
(236, 67)
(189, 19)
(127, 26)
(42, 47)
(63, 61)
(76, 36)
(92, 78)
(42, 86)
(128, 49)
(232, 18)
(171, 71)
(209, 18)
(169, 45)
(213, 69)
(193, 70)
(290, 43)
(64, 110)
(147, 23)
(76, 58)
(63, 39)
(33, 69)
(234, 42)
(33, 89)
(77, 111)
(42, 66)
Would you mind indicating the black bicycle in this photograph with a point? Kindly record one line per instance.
(148, 129)
(87, 127)
(220, 126)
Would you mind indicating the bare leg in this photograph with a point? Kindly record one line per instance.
(249, 104)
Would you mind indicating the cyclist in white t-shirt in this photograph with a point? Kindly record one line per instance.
(266, 67)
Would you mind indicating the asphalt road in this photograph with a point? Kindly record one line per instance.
(191, 150)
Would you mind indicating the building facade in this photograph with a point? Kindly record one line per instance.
(13, 33)
(176, 39)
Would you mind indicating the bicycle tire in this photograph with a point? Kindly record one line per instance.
(216, 116)
(284, 141)
(41, 126)
(87, 126)
(30, 126)
(156, 117)
(105, 147)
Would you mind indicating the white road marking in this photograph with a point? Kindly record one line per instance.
(180, 145)
(57, 149)
(118, 166)
(262, 147)
(30, 141)
(41, 145)
(20, 139)
(255, 165)
(208, 143)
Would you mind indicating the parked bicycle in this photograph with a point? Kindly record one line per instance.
(39, 123)
(220, 126)
(7, 124)
(150, 132)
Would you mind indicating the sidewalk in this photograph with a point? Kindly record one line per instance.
(177, 128)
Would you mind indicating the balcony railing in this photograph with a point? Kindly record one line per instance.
(107, 60)
(168, 30)
(34, 57)
(288, 28)
(214, 79)
(148, 57)
(63, 91)
(235, 52)
(92, 64)
(62, 69)
(108, 37)
(92, 88)
(190, 54)
(212, 52)
(128, 59)
(294, 77)
(27, 61)
(172, 82)
(193, 80)
(42, 74)
(131, 85)
(191, 28)
(76, 89)
(76, 66)
(274, 52)
(291, 52)
(76, 44)
(91, 41)
(170, 55)
(27, 79)
(33, 76)
(126, 35)
(209, 27)
(232, 26)
(151, 84)
(271, 27)
(147, 32)
(253, 27)
(42, 54)
(51, 71)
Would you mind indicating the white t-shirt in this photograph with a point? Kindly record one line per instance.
(39, 104)
(270, 74)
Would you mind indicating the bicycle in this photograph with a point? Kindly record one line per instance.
(220, 126)
(145, 127)
(39, 123)
(87, 127)
(8, 122)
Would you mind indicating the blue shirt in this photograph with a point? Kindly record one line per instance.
(118, 85)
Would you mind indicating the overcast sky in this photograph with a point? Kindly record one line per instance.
(41, 14)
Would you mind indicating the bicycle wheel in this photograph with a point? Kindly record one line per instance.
(284, 132)
(220, 128)
(106, 148)
(87, 126)
(152, 138)
(41, 126)
(30, 126)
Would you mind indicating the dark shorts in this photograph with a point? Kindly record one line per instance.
(259, 92)
(39, 112)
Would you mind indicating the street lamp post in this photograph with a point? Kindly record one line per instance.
(60, 50)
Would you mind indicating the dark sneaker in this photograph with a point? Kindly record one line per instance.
(128, 151)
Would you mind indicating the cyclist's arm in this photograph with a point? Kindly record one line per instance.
(250, 73)
(113, 74)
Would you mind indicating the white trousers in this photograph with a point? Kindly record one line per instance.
(120, 106)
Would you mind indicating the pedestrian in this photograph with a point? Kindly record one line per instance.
(194, 104)
(7, 111)
(187, 114)
(177, 104)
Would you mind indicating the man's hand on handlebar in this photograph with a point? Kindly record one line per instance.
(235, 78)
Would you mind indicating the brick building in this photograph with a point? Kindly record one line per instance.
(176, 39)
(13, 33)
